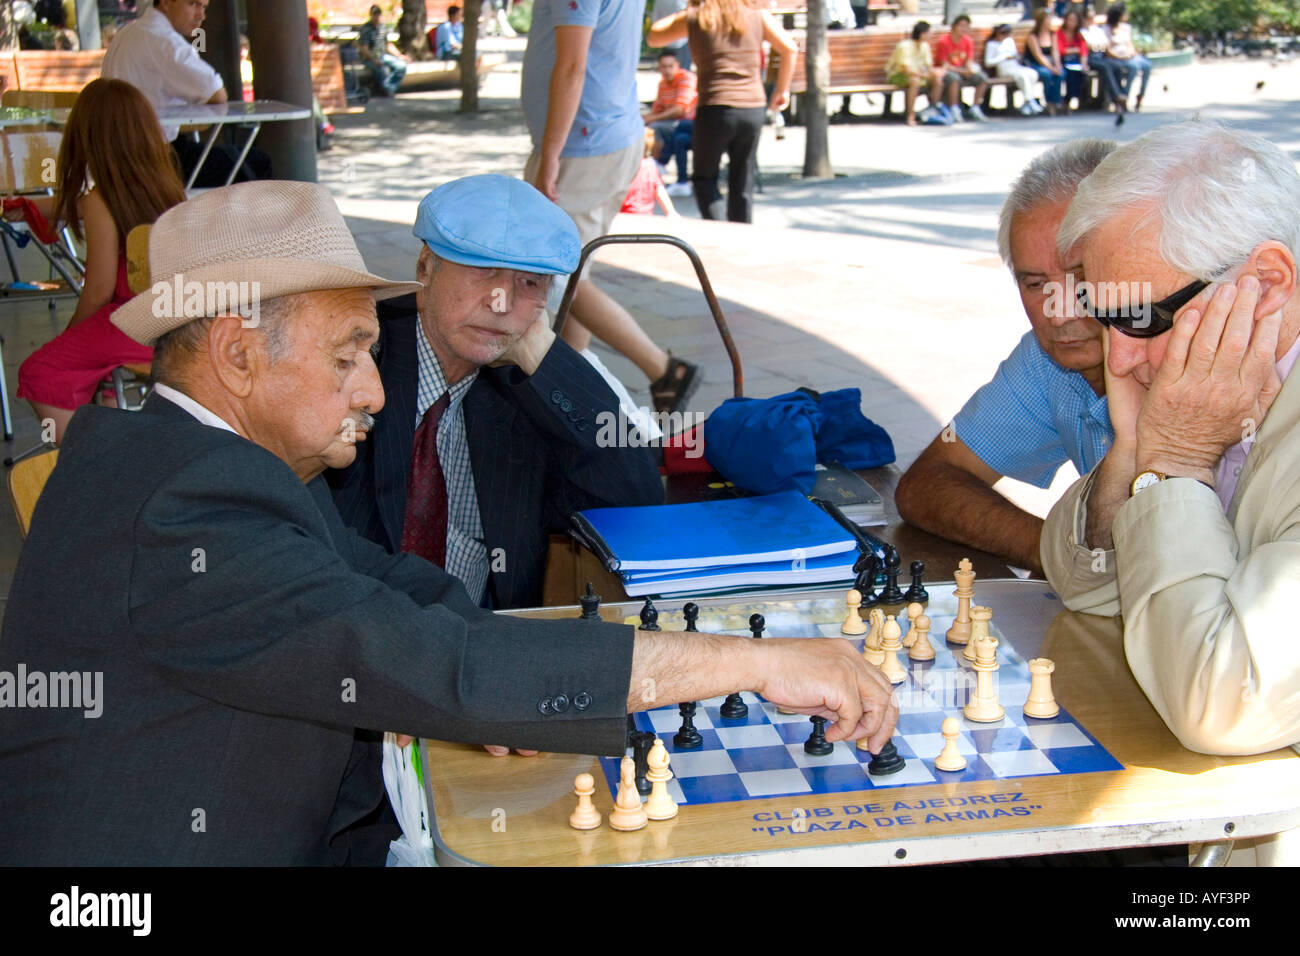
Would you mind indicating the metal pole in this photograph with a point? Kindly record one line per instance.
(88, 25)
(281, 54)
(221, 45)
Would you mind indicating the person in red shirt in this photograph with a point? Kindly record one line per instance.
(672, 117)
(955, 55)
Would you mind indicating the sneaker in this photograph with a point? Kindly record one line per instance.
(954, 113)
(1027, 110)
(677, 385)
(679, 189)
(977, 114)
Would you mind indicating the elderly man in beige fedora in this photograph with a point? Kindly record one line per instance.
(251, 646)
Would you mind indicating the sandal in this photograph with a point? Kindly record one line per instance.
(676, 386)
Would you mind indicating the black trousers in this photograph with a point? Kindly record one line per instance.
(216, 169)
(732, 130)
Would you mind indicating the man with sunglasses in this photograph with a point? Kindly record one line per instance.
(485, 402)
(1190, 526)
(1046, 404)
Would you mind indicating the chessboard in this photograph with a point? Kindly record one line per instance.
(762, 755)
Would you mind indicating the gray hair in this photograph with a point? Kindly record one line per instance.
(1052, 177)
(1216, 192)
(176, 349)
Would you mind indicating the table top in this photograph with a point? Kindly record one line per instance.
(514, 811)
(258, 111)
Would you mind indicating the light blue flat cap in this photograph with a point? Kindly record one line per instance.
(498, 222)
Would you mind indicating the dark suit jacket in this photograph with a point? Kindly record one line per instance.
(532, 446)
(243, 634)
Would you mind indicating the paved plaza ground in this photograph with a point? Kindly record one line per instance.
(885, 278)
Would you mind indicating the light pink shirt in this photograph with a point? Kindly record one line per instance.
(1234, 459)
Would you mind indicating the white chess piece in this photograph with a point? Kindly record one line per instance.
(914, 610)
(586, 816)
(921, 649)
(979, 629)
(950, 758)
(628, 814)
(984, 706)
(871, 648)
(890, 646)
(1041, 702)
(660, 806)
(853, 624)
(959, 633)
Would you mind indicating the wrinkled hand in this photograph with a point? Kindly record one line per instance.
(548, 174)
(828, 678)
(498, 751)
(1124, 396)
(1215, 385)
(531, 347)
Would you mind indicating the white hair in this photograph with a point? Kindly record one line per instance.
(1050, 177)
(1216, 193)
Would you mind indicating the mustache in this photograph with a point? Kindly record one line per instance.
(365, 421)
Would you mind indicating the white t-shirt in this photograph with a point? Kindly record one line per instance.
(159, 62)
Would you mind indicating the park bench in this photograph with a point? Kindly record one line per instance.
(858, 59)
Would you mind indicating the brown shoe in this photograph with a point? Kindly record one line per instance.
(676, 386)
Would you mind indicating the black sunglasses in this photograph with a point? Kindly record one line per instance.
(1143, 322)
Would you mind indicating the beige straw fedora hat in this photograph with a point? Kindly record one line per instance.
(258, 240)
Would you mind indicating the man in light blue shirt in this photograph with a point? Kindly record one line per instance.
(450, 35)
(1046, 403)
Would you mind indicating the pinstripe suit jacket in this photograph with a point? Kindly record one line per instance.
(533, 451)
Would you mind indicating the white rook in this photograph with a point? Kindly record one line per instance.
(1041, 703)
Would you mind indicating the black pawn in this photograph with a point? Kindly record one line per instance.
(691, 611)
(642, 741)
(887, 761)
(687, 737)
(756, 624)
(892, 593)
(816, 744)
(590, 605)
(733, 708)
(917, 591)
(649, 616)
(866, 568)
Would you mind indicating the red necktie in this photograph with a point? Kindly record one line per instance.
(424, 531)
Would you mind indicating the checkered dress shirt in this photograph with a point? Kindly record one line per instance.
(467, 556)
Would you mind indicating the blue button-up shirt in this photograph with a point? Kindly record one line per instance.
(1035, 415)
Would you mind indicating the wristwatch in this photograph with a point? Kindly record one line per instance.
(1145, 479)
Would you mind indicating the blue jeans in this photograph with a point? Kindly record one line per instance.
(676, 136)
(1051, 82)
(1104, 65)
(1073, 78)
(387, 74)
(1125, 70)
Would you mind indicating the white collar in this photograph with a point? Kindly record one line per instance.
(191, 406)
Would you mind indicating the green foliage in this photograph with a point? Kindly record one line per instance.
(1213, 16)
(521, 16)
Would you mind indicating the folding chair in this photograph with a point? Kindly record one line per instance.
(26, 481)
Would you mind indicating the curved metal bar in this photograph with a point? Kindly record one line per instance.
(737, 373)
(1213, 854)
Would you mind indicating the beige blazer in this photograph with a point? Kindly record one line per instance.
(1211, 601)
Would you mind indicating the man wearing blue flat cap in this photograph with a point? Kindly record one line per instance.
(488, 441)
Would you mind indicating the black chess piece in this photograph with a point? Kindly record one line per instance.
(917, 591)
(687, 737)
(892, 593)
(590, 605)
(866, 568)
(649, 616)
(642, 742)
(887, 761)
(733, 708)
(756, 624)
(817, 744)
(691, 611)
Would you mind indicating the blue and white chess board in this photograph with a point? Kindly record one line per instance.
(763, 756)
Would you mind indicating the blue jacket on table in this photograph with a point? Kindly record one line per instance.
(245, 638)
(533, 451)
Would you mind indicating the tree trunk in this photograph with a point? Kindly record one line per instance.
(817, 64)
(413, 29)
(8, 29)
(469, 58)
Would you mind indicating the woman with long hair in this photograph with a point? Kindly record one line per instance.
(726, 40)
(1044, 57)
(1073, 51)
(114, 173)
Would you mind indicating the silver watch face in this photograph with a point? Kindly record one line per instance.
(1145, 480)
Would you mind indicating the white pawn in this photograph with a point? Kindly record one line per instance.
(1041, 702)
(890, 645)
(660, 806)
(950, 758)
(914, 611)
(921, 649)
(853, 624)
(628, 814)
(586, 816)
